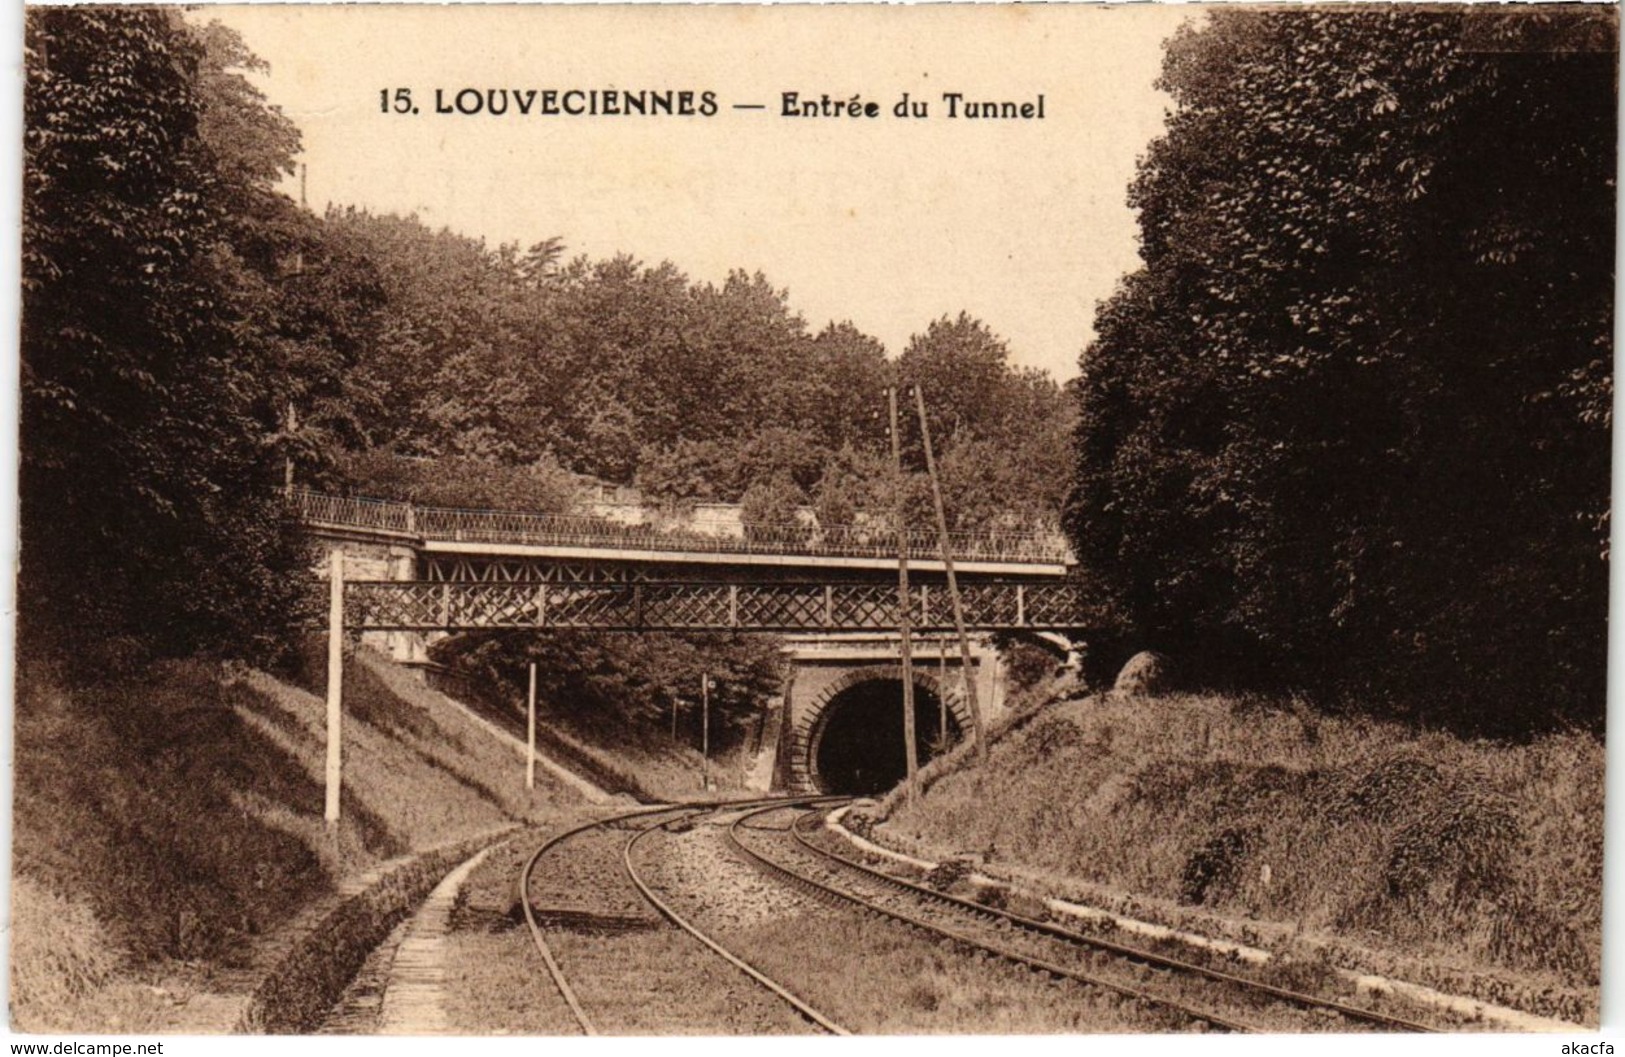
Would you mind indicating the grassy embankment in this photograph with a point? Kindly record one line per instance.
(1465, 865)
(613, 752)
(166, 823)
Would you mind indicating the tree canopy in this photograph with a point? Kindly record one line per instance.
(693, 391)
(1348, 427)
(159, 345)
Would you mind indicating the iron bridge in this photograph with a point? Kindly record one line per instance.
(417, 605)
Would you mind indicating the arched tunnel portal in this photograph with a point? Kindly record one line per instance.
(854, 740)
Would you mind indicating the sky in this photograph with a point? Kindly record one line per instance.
(887, 222)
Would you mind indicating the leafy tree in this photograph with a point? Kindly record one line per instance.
(460, 481)
(688, 471)
(151, 242)
(1347, 428)
(459, 361)
(846, 372)
(1000, 433)
(770, 509)
(694, 391)
(963, 367)
(539, 265)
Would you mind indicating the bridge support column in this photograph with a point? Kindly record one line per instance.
(367, 560)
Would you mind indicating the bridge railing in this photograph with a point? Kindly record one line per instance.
(444, 524)
(339, 511)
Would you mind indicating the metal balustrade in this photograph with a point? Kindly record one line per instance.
(498, 527)
(374, 605)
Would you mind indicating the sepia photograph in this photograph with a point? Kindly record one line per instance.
(704, 520)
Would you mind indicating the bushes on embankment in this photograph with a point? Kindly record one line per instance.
(166, 822)
(1476, 855)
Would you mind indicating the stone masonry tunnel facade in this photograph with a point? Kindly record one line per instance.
(845, 723)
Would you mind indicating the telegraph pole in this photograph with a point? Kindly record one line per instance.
(953, 582)
(705, 730)
(335, 682)
(530, 731)
(911, 753)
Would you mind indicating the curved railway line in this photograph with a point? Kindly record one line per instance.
(605, 857)
(1044, 946)
(640, 824)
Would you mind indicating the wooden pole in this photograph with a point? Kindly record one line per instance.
(906, 650)
(942, 693)
(705, 731)
(530, 731)
(953, 582)
(335, 682)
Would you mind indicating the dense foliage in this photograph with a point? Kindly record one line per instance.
(461, 481)
(1348, 428)
(159, 344)
(692, 391)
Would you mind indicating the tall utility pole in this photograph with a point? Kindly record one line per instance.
(335, 683)
(705, 730)
(910, 752)
(530, 731)
(953, 582)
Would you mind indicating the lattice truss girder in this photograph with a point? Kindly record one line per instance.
(459, 606)
(524, 570)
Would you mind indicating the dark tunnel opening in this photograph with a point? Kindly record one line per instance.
(860, 750)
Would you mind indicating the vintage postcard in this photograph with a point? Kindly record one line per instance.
(724, 520)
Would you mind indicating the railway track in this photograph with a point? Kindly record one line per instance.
(1196, 992)
(606, 865)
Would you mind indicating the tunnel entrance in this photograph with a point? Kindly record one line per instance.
(858, 748)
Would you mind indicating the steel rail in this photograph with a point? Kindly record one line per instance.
(556, 972)
(565, 990)
(800, 880)
(1111, 947)
(797, 1003)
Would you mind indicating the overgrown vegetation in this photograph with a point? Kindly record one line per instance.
(159, 344)
(611, 698)
(1469, 853)
(1347, 430)
(171, 821)
(457, 481)
(638, 374)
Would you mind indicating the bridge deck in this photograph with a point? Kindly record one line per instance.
(572, 537)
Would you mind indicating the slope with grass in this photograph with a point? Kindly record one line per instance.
(611, 750)
(1468, 865)
(167, 823)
